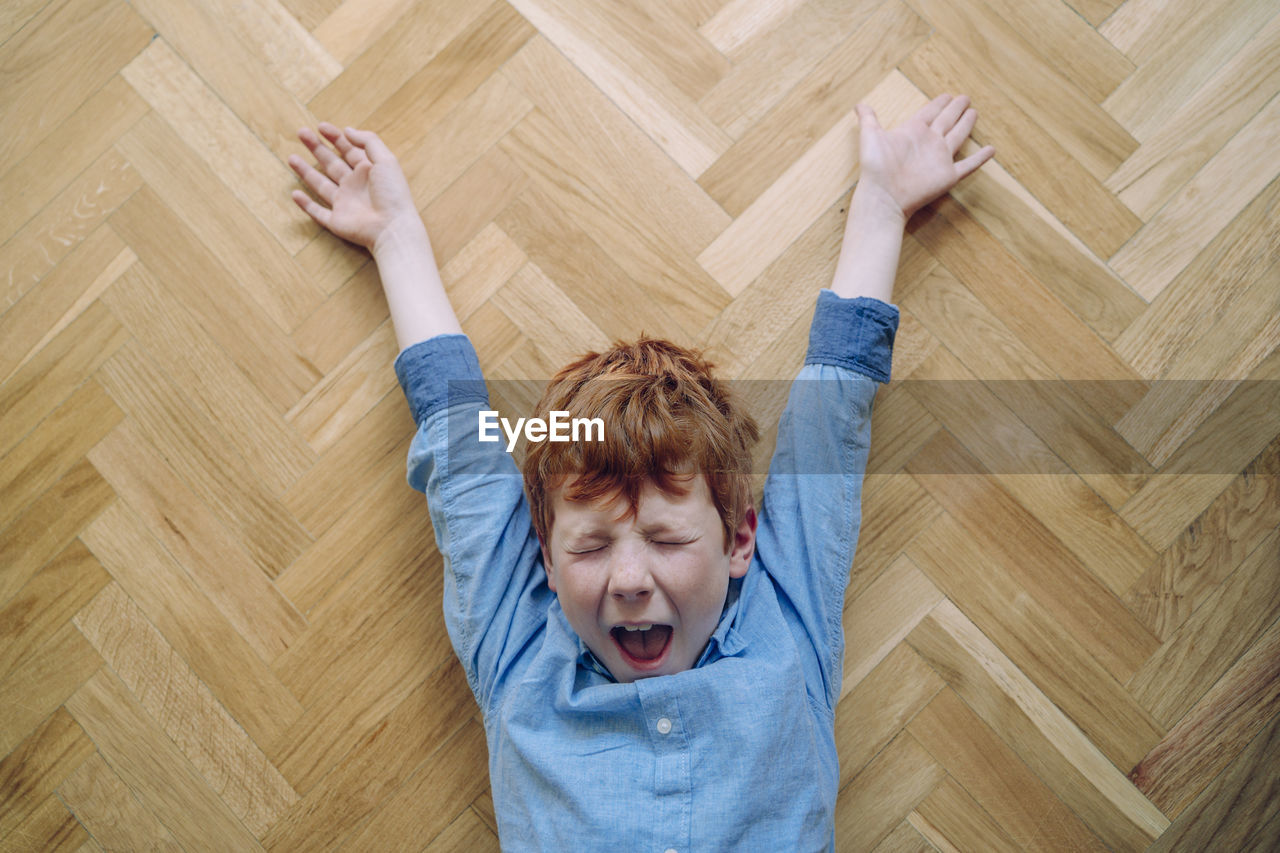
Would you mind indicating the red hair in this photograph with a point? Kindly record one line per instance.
(665, 417)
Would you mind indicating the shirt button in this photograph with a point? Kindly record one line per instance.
(670, 850)
(664, 727)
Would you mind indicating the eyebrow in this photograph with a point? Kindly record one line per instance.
(649, 530)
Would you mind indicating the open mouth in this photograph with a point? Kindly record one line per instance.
(643, 649)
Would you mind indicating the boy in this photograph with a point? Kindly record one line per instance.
(658, 669)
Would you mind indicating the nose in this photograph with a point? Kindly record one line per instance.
(629, 578)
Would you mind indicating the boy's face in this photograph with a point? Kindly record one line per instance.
(665, 566)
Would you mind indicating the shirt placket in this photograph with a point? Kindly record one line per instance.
(672, 783)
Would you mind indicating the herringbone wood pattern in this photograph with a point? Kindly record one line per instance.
(219, 602)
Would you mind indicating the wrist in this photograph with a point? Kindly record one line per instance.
(406, 234)
(873, 208)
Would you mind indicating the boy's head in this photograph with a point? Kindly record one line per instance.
(648, 525)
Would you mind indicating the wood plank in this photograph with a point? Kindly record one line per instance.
(187, 272)
(218, 136)
(1203, 207)
(1068, 206)
(770, 66)
(44, 604)
(1050, 99)
(214, 560)
(870, 806)
(1210, 459)
(105, 805)
(623, 73)
(1197, 298)
(35, 769)
(281, 44)
(1037, 731)
(348, 392)
(262, 70)
(337, 484)
(682, 295)
(41, 682)
(173, 336)
(1059, 664)
(49, 523)
(189, 622)
(882, 615)
(384, 755)
(153, 767)
(447, 781)
(45, 382)
(185, 709)
(984, 770)
(61, 296)
(198, 196)
(1170, 73)
(64, 223)
(623, 166)
(384, 615)
(875, 710)
(32, 183)
(1208, 551)
(49, 828)
(1031, 311)
(44, 88)
(1239, 808)
(759, 156)
(1220, 726)
(950, 818)
(1068, 44)
(809, 187)
(672, 44)
(1199, 652)
(203, 457)
(420, 33)
(1174, 150)
(51, 450)
(741, 21)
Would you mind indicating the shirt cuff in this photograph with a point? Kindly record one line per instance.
(440, 372)
(855, 333)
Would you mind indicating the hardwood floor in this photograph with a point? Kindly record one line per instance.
(220, 604)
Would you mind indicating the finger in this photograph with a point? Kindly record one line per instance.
(867, 116)
(350, 153)
(319, 183)
(958, 134)
(317, 212)
(331, 164)
(931, 110)
(970, 164)
(368, 140)
(947, 118)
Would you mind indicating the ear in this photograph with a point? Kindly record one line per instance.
(744, 544)
(546, 564)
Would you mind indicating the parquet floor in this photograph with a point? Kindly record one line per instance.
(220, 604)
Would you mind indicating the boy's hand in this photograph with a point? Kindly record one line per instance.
(904, 169)
(364, 188)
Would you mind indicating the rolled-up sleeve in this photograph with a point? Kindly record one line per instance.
(495, 591)
(812, 508)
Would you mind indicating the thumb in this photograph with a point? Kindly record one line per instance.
(867, 116)
(373, 146)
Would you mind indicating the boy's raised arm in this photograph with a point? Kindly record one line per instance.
(370, 204)
(900, 171)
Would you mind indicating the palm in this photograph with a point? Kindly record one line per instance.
(914, 164)
(368, 197)
(362, 185)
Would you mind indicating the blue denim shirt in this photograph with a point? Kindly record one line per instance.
(737, 753)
